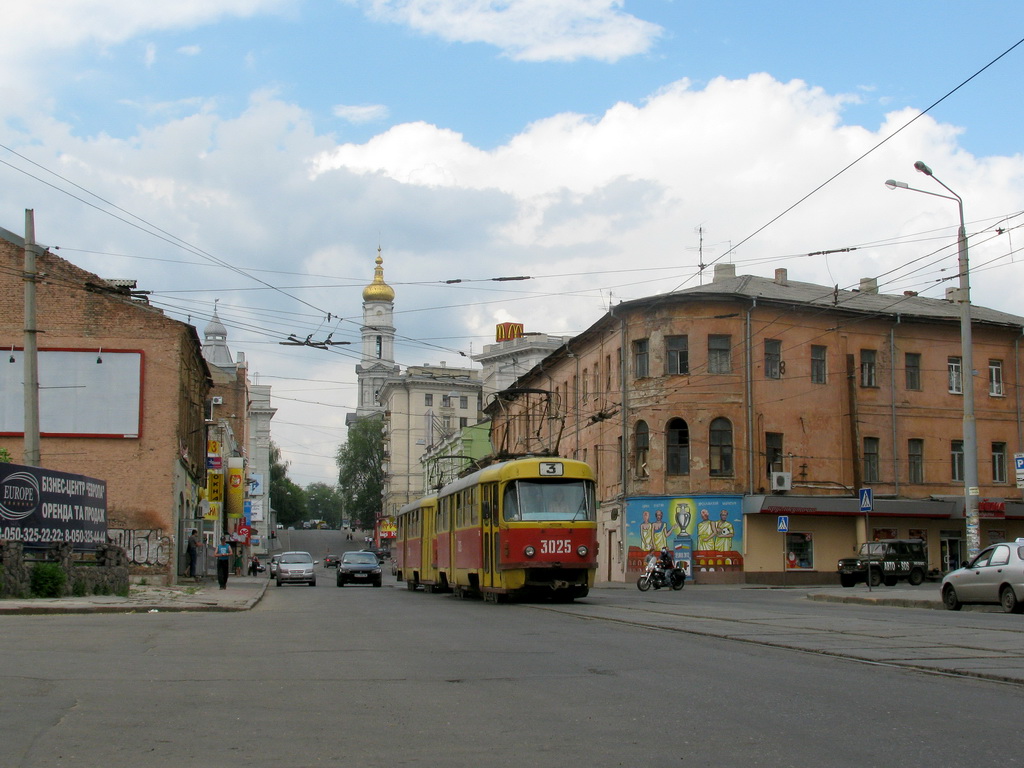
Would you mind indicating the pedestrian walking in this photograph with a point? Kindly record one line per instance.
(223, 562)
(192, 549)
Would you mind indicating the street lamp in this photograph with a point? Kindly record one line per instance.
(963, 298)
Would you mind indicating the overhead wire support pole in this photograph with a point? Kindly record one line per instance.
(31, 386)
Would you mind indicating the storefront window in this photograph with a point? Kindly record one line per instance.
(799, 551)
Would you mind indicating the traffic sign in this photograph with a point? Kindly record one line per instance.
(1018, 463)
(867, 503)
(783, 523)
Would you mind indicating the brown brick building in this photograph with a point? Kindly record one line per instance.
(711, 413)
(122, 391)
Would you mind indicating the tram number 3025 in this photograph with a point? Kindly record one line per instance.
(555, 546)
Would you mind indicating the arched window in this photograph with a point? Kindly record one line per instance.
(720, 442)
(677, 448)
(641, 444)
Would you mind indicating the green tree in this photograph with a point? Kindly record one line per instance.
(287, 498)
(324, 502)
(361, 471)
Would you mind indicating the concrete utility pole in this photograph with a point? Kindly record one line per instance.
(31, 426)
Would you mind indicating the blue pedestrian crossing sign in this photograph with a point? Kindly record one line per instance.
(783, 523)
(866, 501)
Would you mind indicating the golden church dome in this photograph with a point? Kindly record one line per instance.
(378, 290)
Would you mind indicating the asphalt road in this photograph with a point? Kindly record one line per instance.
(387, 677)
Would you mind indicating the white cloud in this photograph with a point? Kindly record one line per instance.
(366, 113)
(150, 55)
(528, 30)
(190, 50)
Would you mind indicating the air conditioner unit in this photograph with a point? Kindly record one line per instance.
(782, 481)
(217, 400)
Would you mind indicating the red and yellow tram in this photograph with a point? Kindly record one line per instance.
(517, 528)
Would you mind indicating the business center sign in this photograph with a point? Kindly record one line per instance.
(39, 507)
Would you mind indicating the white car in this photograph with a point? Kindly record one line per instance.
(296, 567)
(995, 575)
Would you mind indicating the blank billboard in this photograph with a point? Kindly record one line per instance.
(94, 393)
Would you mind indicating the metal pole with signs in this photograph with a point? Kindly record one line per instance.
(867, 503)
(784, 529)
(1018, 465)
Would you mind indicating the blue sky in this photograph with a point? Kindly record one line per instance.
(582, 142)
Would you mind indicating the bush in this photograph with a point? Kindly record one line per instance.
(48, 580)
(78, 588)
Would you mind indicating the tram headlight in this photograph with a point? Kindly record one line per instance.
(529, 551)
(582, 550)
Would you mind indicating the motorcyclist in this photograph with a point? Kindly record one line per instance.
(665, 563)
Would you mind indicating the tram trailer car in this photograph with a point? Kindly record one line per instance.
(521, 528)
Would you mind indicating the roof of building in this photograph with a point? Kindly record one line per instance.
(866, 300)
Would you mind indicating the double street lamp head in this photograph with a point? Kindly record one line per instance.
(919, 165)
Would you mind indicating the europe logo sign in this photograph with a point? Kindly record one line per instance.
(39, 507)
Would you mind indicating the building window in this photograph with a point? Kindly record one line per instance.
(772, 359)
(915, 460)
(998, 462)
(995, 378)
(642, 442)
(428, 400)
(868, 368)
(956, 455)
(799, 551)
(677, 356)
(956, 380)
(912, 366)
(677, 448)
(586, 384)
(870, 459)
(379, 344)
(596, 381)
(463, 402)
(819, 370)
(719, 354)
(720, 447)
(773, 452)
(640, 359)
(446, 401)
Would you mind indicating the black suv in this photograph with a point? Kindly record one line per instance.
(888, 560)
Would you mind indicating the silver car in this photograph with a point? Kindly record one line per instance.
(296, 567)
(995, 576)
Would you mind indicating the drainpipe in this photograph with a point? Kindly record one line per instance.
(748, 364)
(892, 408)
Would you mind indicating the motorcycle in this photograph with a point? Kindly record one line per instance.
(655, 575)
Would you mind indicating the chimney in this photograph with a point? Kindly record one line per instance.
(724, 272)
(781, 277)
(868, 285)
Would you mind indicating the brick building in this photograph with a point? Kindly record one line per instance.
(709, 413)
(121, 398)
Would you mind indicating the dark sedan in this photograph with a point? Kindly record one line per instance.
(331, 561)
(359, 568)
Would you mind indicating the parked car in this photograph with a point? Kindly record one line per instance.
(296, 567)
(995, 575)
(359, 568)
(331, 561)
(272, 565)
(885, 562)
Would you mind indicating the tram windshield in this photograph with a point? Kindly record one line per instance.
(571, 500)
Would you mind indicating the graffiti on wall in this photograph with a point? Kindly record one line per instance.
(143, 546)
(706, 532)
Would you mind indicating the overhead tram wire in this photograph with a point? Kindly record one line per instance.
(843, 170)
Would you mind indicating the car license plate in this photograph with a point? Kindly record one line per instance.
(360, 575)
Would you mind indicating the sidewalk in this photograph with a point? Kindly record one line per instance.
(242, 593)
